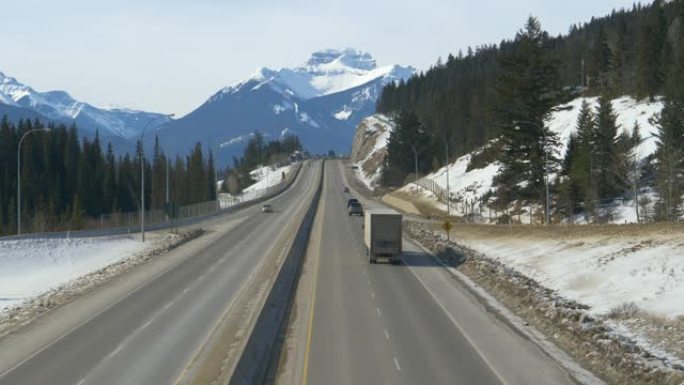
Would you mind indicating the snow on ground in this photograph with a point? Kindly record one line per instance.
(471, 185)
(29, 267)
(602, 272)
(267, 177)
(628, 111)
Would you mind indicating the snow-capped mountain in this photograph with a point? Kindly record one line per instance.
(322, 101)
(18, 99)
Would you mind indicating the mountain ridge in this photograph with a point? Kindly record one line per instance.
(60, 107)
(321, 101)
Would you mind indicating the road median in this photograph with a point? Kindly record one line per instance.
(244, 343)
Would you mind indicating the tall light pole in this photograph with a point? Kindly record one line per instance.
(448, 200)
(19, 176)
(415, 155)
(546, 166)
(142, 175)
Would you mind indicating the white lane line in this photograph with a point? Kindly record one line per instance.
(118, 349)
(378, 310)
(81, 382)
(168, 305)
(212, 268)
(387, 334)
(201, 277)
(364, 271)
(148, 323)
(372, 294)
(396, 364)
(187, 289)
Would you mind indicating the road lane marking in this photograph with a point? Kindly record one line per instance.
(378, 310)
(453, 320)
(148, 323)
(118, 349)
(396, 364)
(372, 294)
(81, 382)
(187, 289)
(387, 334)
(305, 370)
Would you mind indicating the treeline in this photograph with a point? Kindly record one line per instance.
(628, 52)
(67, 182)
(508, 91)
(258, 152)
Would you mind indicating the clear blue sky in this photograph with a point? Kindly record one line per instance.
(171, 55)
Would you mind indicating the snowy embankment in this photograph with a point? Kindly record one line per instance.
(630, 277)
(266, 177)
(467, 187)
(30, 267)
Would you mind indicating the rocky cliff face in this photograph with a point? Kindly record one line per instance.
(369, 147)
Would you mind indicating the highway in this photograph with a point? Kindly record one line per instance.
(146, 333)
(408, 324)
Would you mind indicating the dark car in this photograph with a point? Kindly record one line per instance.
(352, 200)
(355, 208)
(346, 189)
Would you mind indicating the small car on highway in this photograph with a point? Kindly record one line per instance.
(355, 208)
(351, 200)
(266, 208)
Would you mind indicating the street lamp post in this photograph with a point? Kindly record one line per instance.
(546, 167)
(448, 200)
(19, 176)
(415, 155)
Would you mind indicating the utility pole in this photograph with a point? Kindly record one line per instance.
(415, 154)
(19, 176)
(448, 200)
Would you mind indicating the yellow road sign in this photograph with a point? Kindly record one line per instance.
(447, 226)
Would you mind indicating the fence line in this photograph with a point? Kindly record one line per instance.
(129, 222)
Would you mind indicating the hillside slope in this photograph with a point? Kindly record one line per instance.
(469, 185)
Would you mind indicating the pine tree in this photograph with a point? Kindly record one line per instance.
(528, 88)
(600, 65)
(651, 46)
(400, 161)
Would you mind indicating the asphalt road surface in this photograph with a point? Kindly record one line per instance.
(149, 335)
(407, 324)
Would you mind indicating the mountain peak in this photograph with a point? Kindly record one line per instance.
(348, 57)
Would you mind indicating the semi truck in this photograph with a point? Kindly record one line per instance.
(382, 235)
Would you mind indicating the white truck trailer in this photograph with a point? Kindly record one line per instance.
(382, 235)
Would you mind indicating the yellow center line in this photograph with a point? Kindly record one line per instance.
(305, 370)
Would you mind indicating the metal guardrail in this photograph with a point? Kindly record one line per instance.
(129, 223)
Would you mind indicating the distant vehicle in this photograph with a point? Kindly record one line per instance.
(355, 208)
(382, 235)
(352, 200)
(266, 208)
(346, 189)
